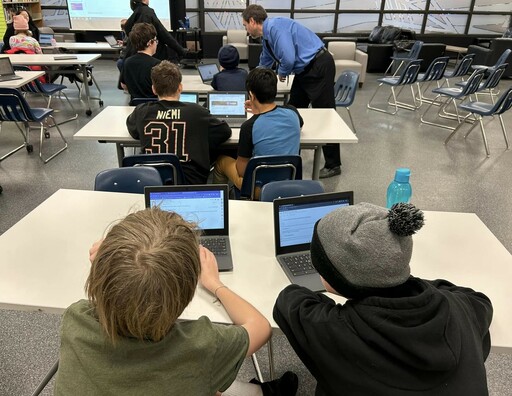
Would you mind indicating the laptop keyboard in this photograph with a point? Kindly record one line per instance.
(299, 264)
(217, 246)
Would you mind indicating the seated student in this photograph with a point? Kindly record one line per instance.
(170, 126)
(136, 72)
(126, 338)
(9, 31)
(122, 42)
(272, 130)
(231, 77)
(22, 39)
(396, 334)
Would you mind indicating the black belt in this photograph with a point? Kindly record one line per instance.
(320, 52)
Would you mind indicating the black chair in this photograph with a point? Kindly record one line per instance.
(490, 56)
(138, 101)
(14, 108)
(290, 188)
(167, 165)
(265, 169)
(127, 180)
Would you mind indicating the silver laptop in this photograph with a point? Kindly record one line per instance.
(228, 106)
(189, 97)
(111, 40)
(45, 39)
(294, 221)
(7, 71)
(207, 71)
(205, 205)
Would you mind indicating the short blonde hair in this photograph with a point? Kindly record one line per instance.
(144, 275)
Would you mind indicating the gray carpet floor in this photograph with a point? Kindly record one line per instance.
(455, 177)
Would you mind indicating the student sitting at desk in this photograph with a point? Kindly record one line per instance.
(23, 40)
(231, 77)
(396, 335)
(9, 31)
(272, 130)
(136, 72)
(126, 338)
(170, 126)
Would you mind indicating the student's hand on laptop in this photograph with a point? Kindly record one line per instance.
(209, 270)
(94, 250)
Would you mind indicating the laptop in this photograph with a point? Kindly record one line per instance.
(7, 71)
(111, 40)
(207, 206)
(207, 71)
(189, 97)
(294, 221)
(45, 39)
(228, 106)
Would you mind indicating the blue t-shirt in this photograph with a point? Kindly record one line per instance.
(276, 132)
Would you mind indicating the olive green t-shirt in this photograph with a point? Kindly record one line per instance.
(195, 358)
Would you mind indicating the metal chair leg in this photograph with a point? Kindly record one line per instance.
(41, 139)
(46, 379)
(351, 121)
(257, 367)
(504, 130)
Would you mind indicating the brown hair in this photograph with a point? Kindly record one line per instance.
(144, 275)
(166, 78)
(141, 35)
(255, 12)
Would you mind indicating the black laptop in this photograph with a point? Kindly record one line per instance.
(294, 221)
(207, 206)
(207, 71)
(111, 40)
(6, 70)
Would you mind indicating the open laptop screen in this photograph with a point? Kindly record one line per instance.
(227, 104)
(204, 205)
(6, 68)
(295, 218)
(207, 71)
(45, 39)
(189, 97)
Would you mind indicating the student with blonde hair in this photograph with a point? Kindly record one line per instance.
(125, 339)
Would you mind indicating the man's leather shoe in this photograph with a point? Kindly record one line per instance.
(330, 172)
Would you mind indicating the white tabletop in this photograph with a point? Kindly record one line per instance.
(193, 83)
(27, 76)
(45, 256)
(320, 126)
(92, 46)
(49, 59)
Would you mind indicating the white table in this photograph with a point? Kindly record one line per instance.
(321, 126)
(101, 46)
(45, 257)
(81, 60)
(27, 76)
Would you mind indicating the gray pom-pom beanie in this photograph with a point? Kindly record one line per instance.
(364, 248)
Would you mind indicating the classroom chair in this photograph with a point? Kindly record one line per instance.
(345, 92)
(168, 166)
(127, 180)
(290, 188)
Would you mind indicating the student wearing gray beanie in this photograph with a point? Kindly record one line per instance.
(231, 77)
(396, 334)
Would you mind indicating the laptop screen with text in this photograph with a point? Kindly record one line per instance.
(227, 104)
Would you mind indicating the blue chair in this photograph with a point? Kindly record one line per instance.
(345, 92)
(435, 72)
(167, 165)
(127, 180)
(491, 82)
(501, 60)
(47, 90)
(482, 109)
(265, 169)
(413, 54)
(14, 108)
(290, 188)
(138, 101)
(408, 77)
(453, 94)
(460, 70)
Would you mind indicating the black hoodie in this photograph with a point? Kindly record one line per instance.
(421, 338)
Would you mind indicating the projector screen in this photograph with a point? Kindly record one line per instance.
(107, 14)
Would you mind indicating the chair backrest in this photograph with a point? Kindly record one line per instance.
(127, 180)
(436, 69)
(265, 169)
(342, 49)
(237, 36)
(290, 188)
(410, 73)
(14, 107)
(138, 101)
(503, 58)
(168, 166)
(345, 88)
(462, 68)
(415, 50)
(495, 77)
(473, 83)
(504, 103)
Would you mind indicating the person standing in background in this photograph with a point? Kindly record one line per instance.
(297, 50)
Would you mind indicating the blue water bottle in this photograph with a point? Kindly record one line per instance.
(187, 23)
(400, 189)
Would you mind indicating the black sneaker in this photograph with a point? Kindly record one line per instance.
(285, 386)
(330, 172)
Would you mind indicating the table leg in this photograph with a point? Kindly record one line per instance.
(120, 154)
(270, 359)
(316, 163)
(87, 92)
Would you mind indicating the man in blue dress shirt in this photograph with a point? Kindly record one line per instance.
(294, 49)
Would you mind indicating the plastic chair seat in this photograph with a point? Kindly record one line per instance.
(41, 113)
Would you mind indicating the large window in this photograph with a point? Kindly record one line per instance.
(358, 16)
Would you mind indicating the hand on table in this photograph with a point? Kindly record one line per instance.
(209, 270)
